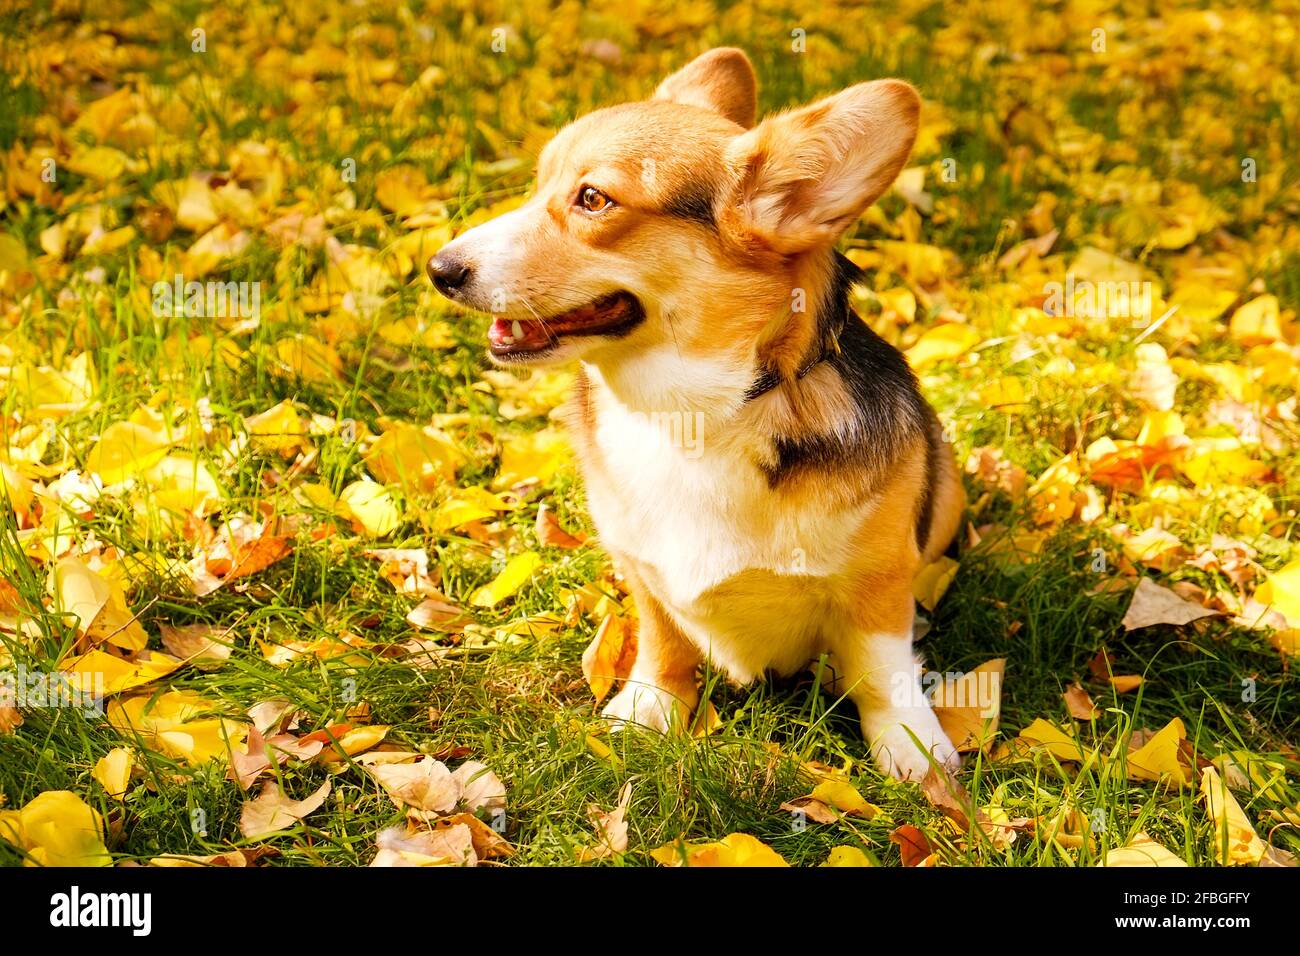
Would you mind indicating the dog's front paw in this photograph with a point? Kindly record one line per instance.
(897, 754)
(647, 706)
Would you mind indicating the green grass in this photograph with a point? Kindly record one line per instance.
(514, 708)
(523, 707)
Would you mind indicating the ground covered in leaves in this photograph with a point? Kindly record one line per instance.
(297, 580)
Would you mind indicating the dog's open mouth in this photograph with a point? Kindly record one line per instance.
(612, 314)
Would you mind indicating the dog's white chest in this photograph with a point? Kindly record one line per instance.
(695, 508)
(684, 511)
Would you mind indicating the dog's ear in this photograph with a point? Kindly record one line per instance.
(803, 177)
(721, 80)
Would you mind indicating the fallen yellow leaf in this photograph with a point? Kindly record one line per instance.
(1257, 322)
(1160, 758)
(56, 828)
(529, 459)
(932, 581)
(1141, 851)
(1233, 839)
(370, 507)
(1281, 592)
(466, 505)
(126, 449)
(968, 706)
(414, 458)
(736, 849)
(177, 723)
(514, 576)
(942, 343)
(113, 771)
(1055, 741)
(98, 673)
(847, 856)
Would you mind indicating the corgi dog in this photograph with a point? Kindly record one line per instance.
(685, 258)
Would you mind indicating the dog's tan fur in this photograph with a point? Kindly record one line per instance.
(715, 222)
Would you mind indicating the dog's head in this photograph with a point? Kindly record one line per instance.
(678, 222)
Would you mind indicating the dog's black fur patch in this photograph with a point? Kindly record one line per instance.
(694, 204)
(925, 505)
(890, 412)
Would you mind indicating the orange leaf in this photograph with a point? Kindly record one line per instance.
(609, 656)
(912, 844)
(1078, 703)
(551, 535)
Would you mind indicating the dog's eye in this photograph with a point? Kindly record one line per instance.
(593, 200)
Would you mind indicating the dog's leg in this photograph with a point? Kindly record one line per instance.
(874, 665)
(891, 706)
(661, 686)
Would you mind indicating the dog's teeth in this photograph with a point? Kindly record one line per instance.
(507, 340)
(517, 329)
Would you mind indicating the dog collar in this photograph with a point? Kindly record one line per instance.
(771, 378)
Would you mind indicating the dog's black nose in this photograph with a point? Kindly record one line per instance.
(448, 273)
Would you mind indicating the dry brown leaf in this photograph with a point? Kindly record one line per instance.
(1234, 559)
(479, 787)
(407, 570)
(488, 843)
(1275, 856)
(206, 646)
(438, 614)
(946, 794)
(236, 858)
(273, 811)
(551, 535)
(261, 752)
(610, 827)
(275, 715)
(1153, 604)
(425, 784)
(453, 846)
(1079, 704)
(421, 653)
(242, 547)
(995, 473)
(1039, 246)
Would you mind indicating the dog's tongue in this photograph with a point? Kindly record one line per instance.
(527, 335)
